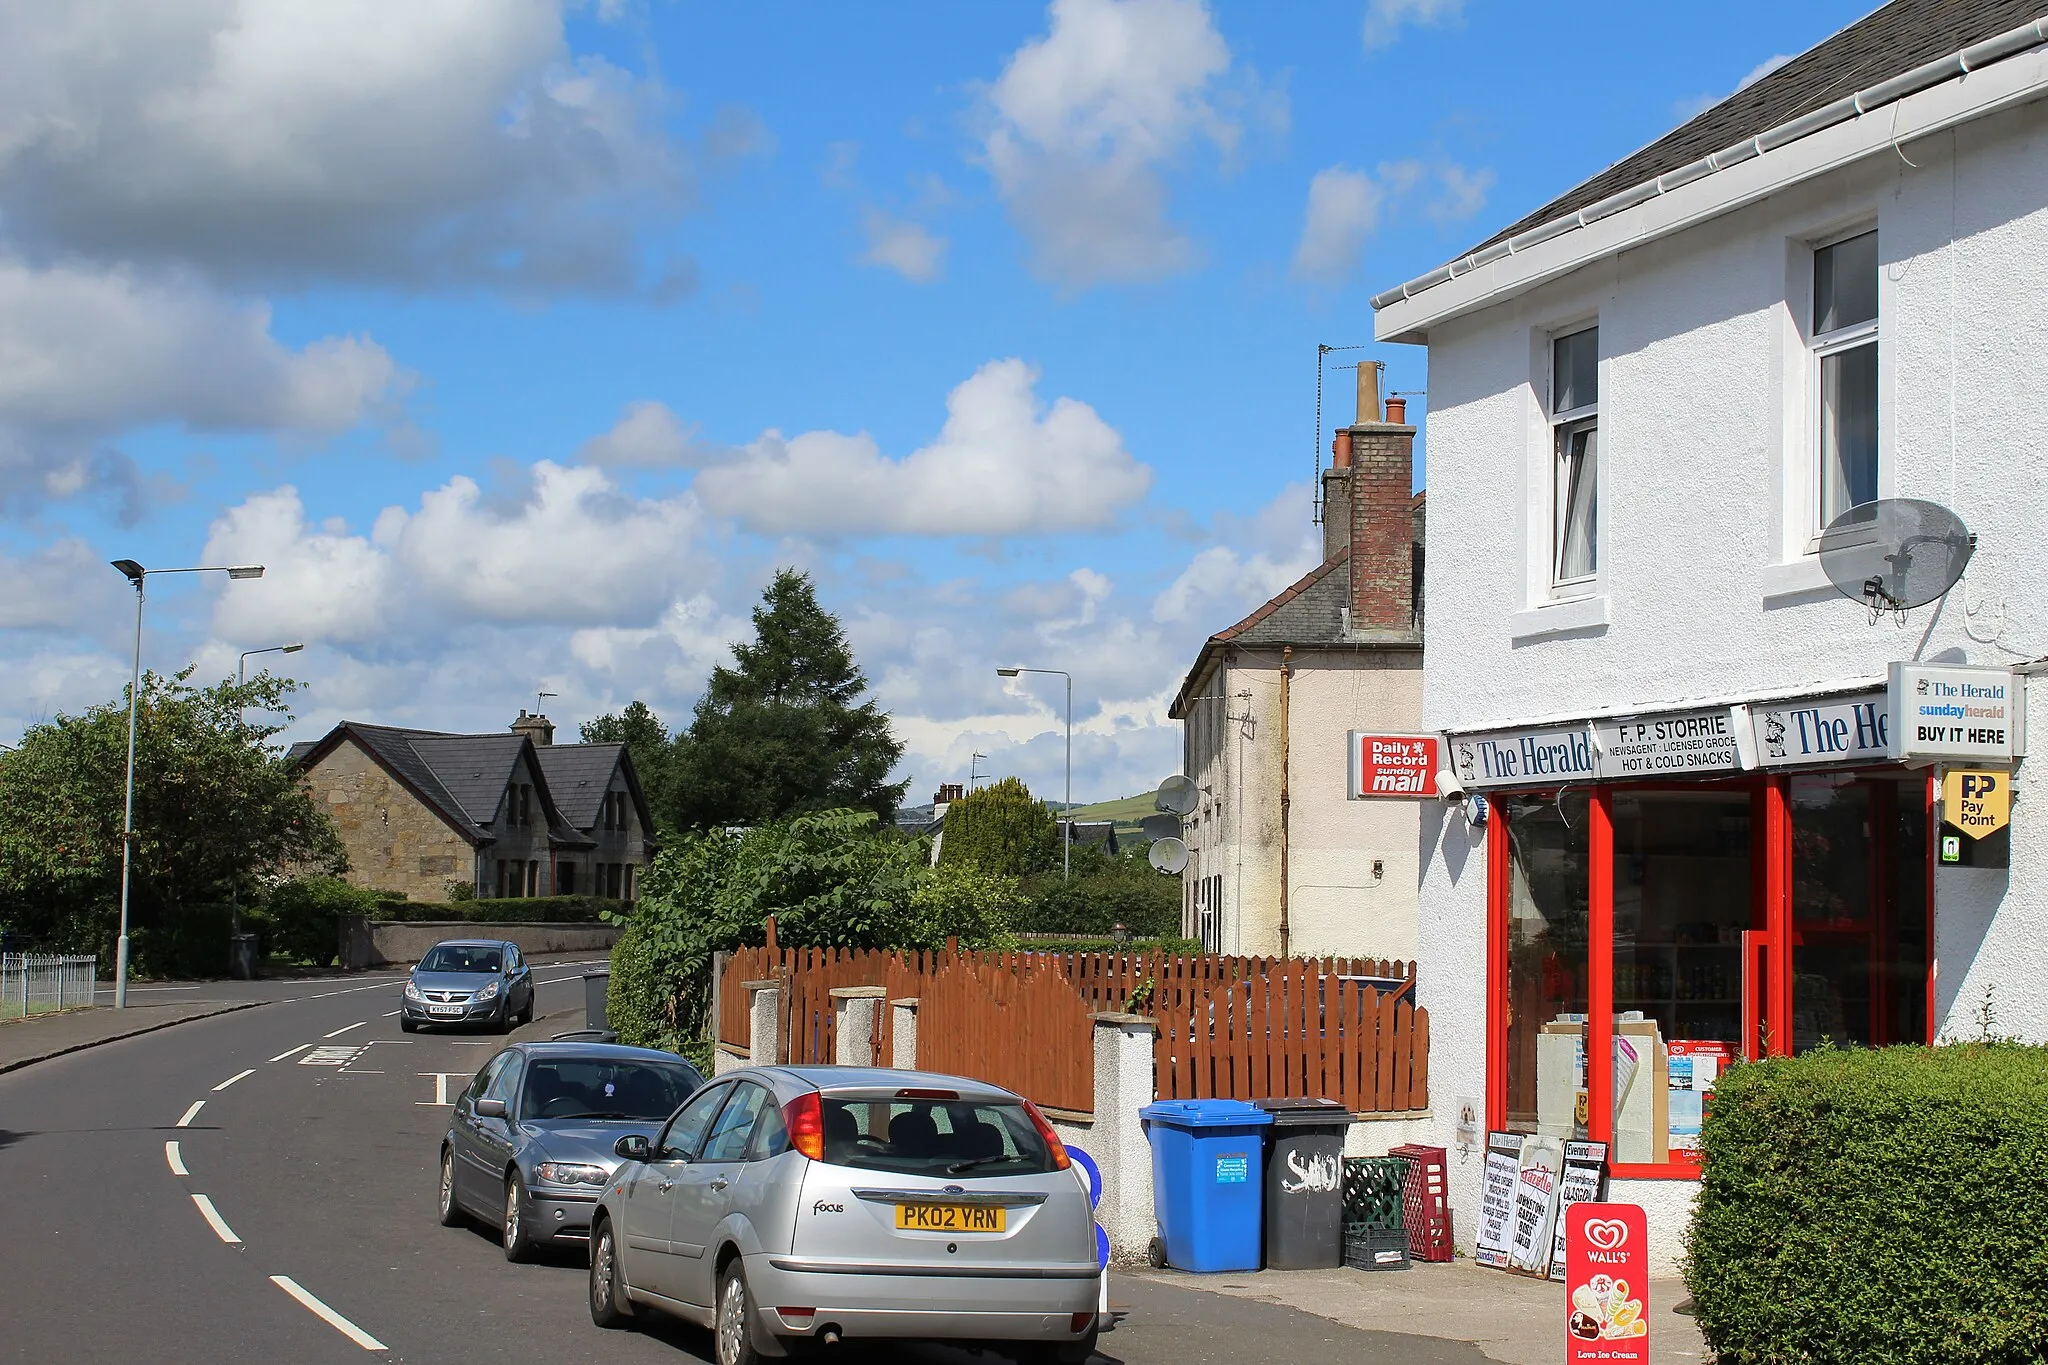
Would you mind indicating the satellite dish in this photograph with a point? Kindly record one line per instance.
(1165, 825)
(1896, 553)
(1178, 796)
(1168, 855)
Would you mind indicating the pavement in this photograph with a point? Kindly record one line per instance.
(256, 1185)
(40, 1037)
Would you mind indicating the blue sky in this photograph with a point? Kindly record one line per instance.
(523, 340)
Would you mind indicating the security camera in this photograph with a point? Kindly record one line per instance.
(1448, 787)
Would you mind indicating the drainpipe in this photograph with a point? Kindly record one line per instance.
(1286, 675)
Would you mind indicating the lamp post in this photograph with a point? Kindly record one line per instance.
(135, 574)
(1067, 822)
(241, 721)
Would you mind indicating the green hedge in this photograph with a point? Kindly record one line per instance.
(1039, 944)
(509, 910)
(1884, 1205)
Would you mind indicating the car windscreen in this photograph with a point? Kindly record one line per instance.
(604, 1088)
(454, 957)
(934, 1137)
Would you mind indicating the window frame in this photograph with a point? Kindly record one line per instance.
(713, 1097)
(1820, 347)
(1563, 424)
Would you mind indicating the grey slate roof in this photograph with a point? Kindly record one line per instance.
(578, 776)
(1897, 38)
(473, 769)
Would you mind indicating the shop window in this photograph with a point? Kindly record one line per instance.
(1683, 892)
(1845, 351)
(1859, 911)
(1546, 965)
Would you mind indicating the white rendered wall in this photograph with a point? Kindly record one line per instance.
(1705, 402)
(1337, 907)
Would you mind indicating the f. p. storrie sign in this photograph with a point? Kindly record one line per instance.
(1545, 756)
(1666, 745)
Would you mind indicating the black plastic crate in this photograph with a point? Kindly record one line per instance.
(1373, 1188)
(1371, 1248)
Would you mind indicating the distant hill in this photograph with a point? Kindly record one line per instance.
(1125, 812)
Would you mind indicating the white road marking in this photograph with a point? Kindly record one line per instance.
(282, 1055)
(395, 1013)
(215, 1221)
(328, 1315)
(441, 1085)
(236, 1077)
(176, 1158)
(347, 1028)
(341, 1054)
(482, 1043)
(192, 1113)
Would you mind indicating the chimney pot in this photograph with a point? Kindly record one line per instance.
(1340, 451)
(1397, 411)
(1368, 391)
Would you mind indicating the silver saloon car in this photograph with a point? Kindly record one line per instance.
(533, 1139)
(785, 1206)
(469, 981)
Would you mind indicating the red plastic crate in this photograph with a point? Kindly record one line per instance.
(1425, 1201)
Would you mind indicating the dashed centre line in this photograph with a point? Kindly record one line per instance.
(347, 1028)
(328, 1315)
(185, 1121)
(236, 1077)
(215, 1221)
(176, 1158)
(289, 1051)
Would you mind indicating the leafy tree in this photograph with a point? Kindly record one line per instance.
(648, 742)
(1000, 829)
(1105, 891)
(215, 806)
(784, 730)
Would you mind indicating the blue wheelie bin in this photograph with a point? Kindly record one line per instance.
(1206, 1186)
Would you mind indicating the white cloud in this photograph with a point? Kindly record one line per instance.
(1763, 69)
(1343, 210)
(1693, 106)
(648, 434)
(1003, 464)
(902, 246)
(434, 142)
(320, 583)
(1384, 19)
(1461, 193)
(64, 585)
(1083, 120)
(87, 354)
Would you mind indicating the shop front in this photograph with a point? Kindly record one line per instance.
(1672, 891)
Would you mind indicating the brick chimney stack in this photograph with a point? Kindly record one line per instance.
(537, 728)
(1381, 500)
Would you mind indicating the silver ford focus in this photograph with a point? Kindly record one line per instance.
(783, 1205)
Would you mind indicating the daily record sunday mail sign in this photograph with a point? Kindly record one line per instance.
(1392, 765)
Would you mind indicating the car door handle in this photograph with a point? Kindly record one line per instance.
(720, 1183)
(665, 1186)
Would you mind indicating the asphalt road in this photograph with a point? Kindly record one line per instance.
(294, 1219)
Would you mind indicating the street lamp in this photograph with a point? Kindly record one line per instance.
(242, 665)
(135, 573)
(241, 723)
(1066, 824)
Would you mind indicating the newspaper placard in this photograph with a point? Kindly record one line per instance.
(1585, 1181)
(1529, 1234)
(1497, 1197)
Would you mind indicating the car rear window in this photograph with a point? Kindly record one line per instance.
(934, 1137)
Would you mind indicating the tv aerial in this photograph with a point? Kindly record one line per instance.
(1895, 554)
(1177, 796)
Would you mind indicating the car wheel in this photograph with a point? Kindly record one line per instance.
(407, 1026)
(451, 1211)
(517, 1240)
(733, 1341)
(526, 1015)
(609, 1306)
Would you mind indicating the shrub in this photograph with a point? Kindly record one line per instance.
(305, 916)
(507, 910)
(1876, 1206)
(1003, 829)
(1104, 892)
(966, 903)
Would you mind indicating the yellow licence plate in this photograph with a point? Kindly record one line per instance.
(949, 1217)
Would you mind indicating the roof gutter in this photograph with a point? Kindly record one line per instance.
(1956, 64)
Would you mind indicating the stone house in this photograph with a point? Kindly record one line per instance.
(515, 814)
(1284, 856)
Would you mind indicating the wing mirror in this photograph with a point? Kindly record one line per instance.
(490, 1109)
(633, 1147)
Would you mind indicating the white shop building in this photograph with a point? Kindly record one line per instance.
(1704, 833)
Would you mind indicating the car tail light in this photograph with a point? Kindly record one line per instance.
(804, 1116)
(1060, 1160)
(927, 1094)
(1077, 1326)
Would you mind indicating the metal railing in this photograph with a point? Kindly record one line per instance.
(33, 983)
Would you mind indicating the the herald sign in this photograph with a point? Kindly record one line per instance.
(1606, 1284)
(1393, 765)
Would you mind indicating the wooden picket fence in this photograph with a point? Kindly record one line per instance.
(1227, 1027)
